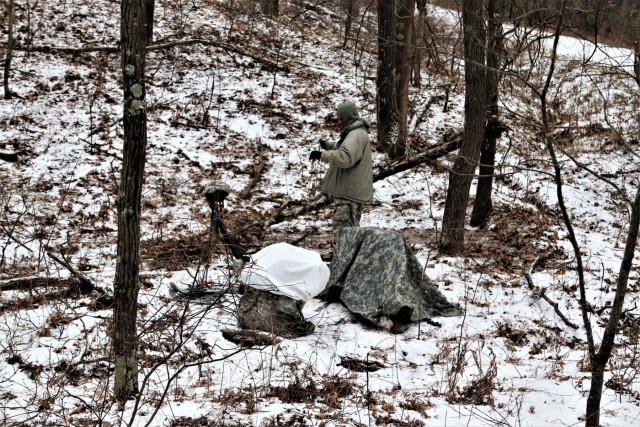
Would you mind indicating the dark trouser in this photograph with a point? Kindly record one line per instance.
(346, 213)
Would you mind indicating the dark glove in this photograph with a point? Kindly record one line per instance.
(315, 155)
(323, 144)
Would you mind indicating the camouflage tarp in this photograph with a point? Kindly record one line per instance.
(277, 314)
(376, 275)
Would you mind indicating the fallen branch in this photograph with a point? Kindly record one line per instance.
(541, 293)
(280, 214)
(422, 111)
(86, 285)
(249, 338)
(448, 145)
(256, 175)
(29, 283)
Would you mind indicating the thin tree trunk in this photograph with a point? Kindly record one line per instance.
(419, 44)
(603, 355)
(349, 6)
(483, 206)
(150, 11)
(636, 43)
(599, 362)
(386, 79)
(404, 25)
(9, 54)
(125, 345)
(475, 110)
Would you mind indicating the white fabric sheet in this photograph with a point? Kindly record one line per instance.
(287, 270)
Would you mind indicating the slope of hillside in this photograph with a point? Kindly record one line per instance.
(234, 96)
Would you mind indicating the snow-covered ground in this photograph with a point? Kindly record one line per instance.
(215, 112)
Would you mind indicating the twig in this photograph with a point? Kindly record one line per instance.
(543, 295)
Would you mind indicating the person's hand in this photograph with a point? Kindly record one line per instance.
(315, 155)
(323, 144)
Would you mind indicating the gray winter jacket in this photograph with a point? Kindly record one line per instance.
(350, 174)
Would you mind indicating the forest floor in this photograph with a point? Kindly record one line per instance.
(239, 97)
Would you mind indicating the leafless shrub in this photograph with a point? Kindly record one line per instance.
(478, 391)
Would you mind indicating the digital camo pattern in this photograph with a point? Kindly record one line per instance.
(346, 214)
(376, 274)
(277, 314)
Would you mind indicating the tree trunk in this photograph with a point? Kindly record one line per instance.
(419, 45)
(386, 79)
(149, 10)
(9, 54)
(599, 362)
(603, 355)
(483, 205)
(395, 21)
(349, 8)
(635, 32)
(125, 345)
(452, 237)
(270, 7)
(404, 24)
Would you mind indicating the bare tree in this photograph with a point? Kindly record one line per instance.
(475, 109)
(126, 286)
(349, 7)
(395, 23)
(598, 356)
(482, 205)
(9, 54)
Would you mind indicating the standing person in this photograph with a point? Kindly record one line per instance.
(349, 178)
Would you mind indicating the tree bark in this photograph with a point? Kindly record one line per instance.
(386, 79)
(635, 25)
(150, 11)
(9, 53)
(395, 23)
(452, 237)
(419, 44)
(483, 206)
(126, 286)
(404, 24)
